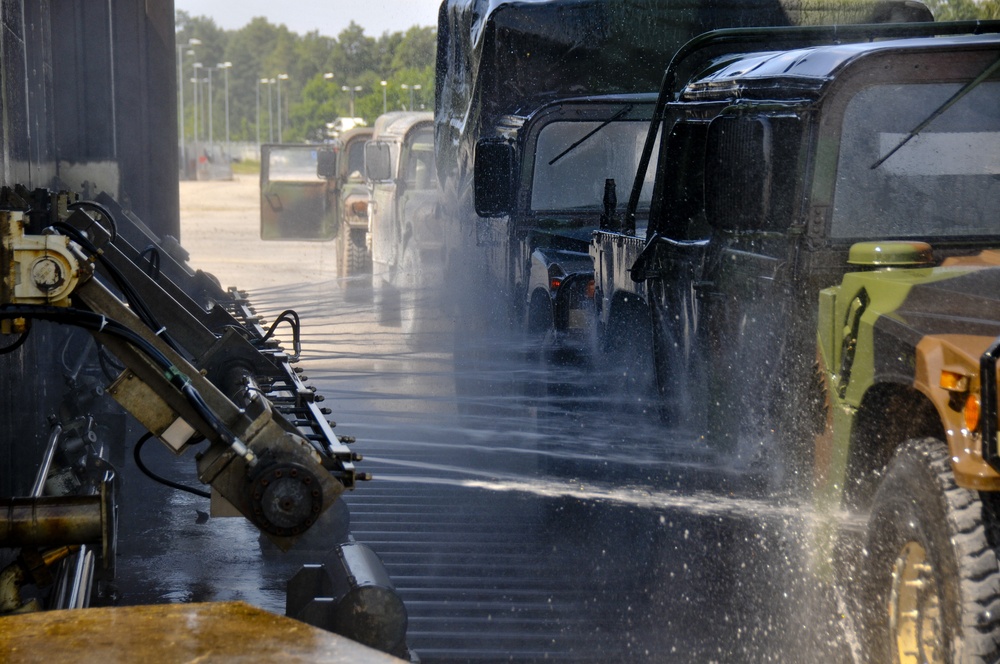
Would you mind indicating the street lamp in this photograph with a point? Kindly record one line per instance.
(411, 88)
(211, 137)
(195, 67)
(383, 84)
(180, 87)
(259, 81)
(347, 88)
(281, 77)
(270, 112)
(225, 67)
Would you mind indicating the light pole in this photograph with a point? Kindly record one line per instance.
(259, 81)
(195, 67)
(383, 84)
(411, 88)
(180, 87)
(211, 110)
(270, 112)
(225, 67)
(281, 77)
(352, 90)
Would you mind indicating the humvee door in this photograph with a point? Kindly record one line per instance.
(296, 201)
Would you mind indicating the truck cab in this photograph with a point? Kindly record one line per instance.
(318, 192)
(862, 176)
(353, 255)
(540, 184)
(504, 66)
(406, 234)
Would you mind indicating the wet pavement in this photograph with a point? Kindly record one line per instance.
(525, 511)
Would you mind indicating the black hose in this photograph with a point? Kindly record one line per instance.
(131, 296)
(94, 205)
(292, 318)
(137, 454)
(101, 324)
(17, 344)
(154, 261)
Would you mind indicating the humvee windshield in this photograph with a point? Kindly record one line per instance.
(943, 182)
(576, 180)
(356, 161)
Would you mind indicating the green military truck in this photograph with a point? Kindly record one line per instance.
(538, 105)
(405, 232)
(859, 168)
(908, 348)
(318, 192)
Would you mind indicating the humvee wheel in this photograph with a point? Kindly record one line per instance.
(354, 252)
(357, 266)
(931, 583)
(914, 608)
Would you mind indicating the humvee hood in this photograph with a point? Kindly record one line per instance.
(953, 300)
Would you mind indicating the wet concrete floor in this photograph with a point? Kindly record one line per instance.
(525, 512)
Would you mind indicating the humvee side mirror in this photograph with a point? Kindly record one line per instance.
(493, 177)
(326, 164)
(378, 162)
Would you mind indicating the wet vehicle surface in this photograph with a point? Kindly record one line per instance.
(524, 511)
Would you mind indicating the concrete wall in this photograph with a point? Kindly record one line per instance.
(87, 101)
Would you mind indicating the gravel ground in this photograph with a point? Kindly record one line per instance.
(220, 226)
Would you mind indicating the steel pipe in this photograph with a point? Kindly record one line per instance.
(52, 521)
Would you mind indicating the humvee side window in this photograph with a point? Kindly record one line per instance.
(576, 180)
(292, 165)
(420, 163)
(678, 211)
(943, 182)
(752, 164)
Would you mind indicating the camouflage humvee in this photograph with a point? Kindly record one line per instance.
(869, 157)
(908, 347)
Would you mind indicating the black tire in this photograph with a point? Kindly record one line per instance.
(355, 254)
(357, 263)
(930, 585)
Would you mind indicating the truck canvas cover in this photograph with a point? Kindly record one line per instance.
(498, 57)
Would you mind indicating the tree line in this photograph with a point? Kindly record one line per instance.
(310, 71)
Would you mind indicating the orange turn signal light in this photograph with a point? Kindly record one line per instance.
(954, 381)
(360, 208)
(590, 289)
(971, 412)
(555, 283)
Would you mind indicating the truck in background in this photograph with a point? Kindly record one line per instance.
(405, 231)
(316, 191)
(787, 176)
(505, 72)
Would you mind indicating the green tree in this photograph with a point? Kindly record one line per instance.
(262, 50)
(416, 49)
(963, 10)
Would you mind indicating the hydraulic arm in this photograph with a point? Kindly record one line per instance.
(199, 369)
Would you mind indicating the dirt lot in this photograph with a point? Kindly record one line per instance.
(220, 226)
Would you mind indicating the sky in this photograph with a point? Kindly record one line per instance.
(329, 17)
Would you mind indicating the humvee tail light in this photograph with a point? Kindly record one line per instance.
(590, 289)
(360, 208)
(971, 412)
(954, 381)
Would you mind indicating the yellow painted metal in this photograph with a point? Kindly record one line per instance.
(891, 254)
(915, 628)
(165, 634)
